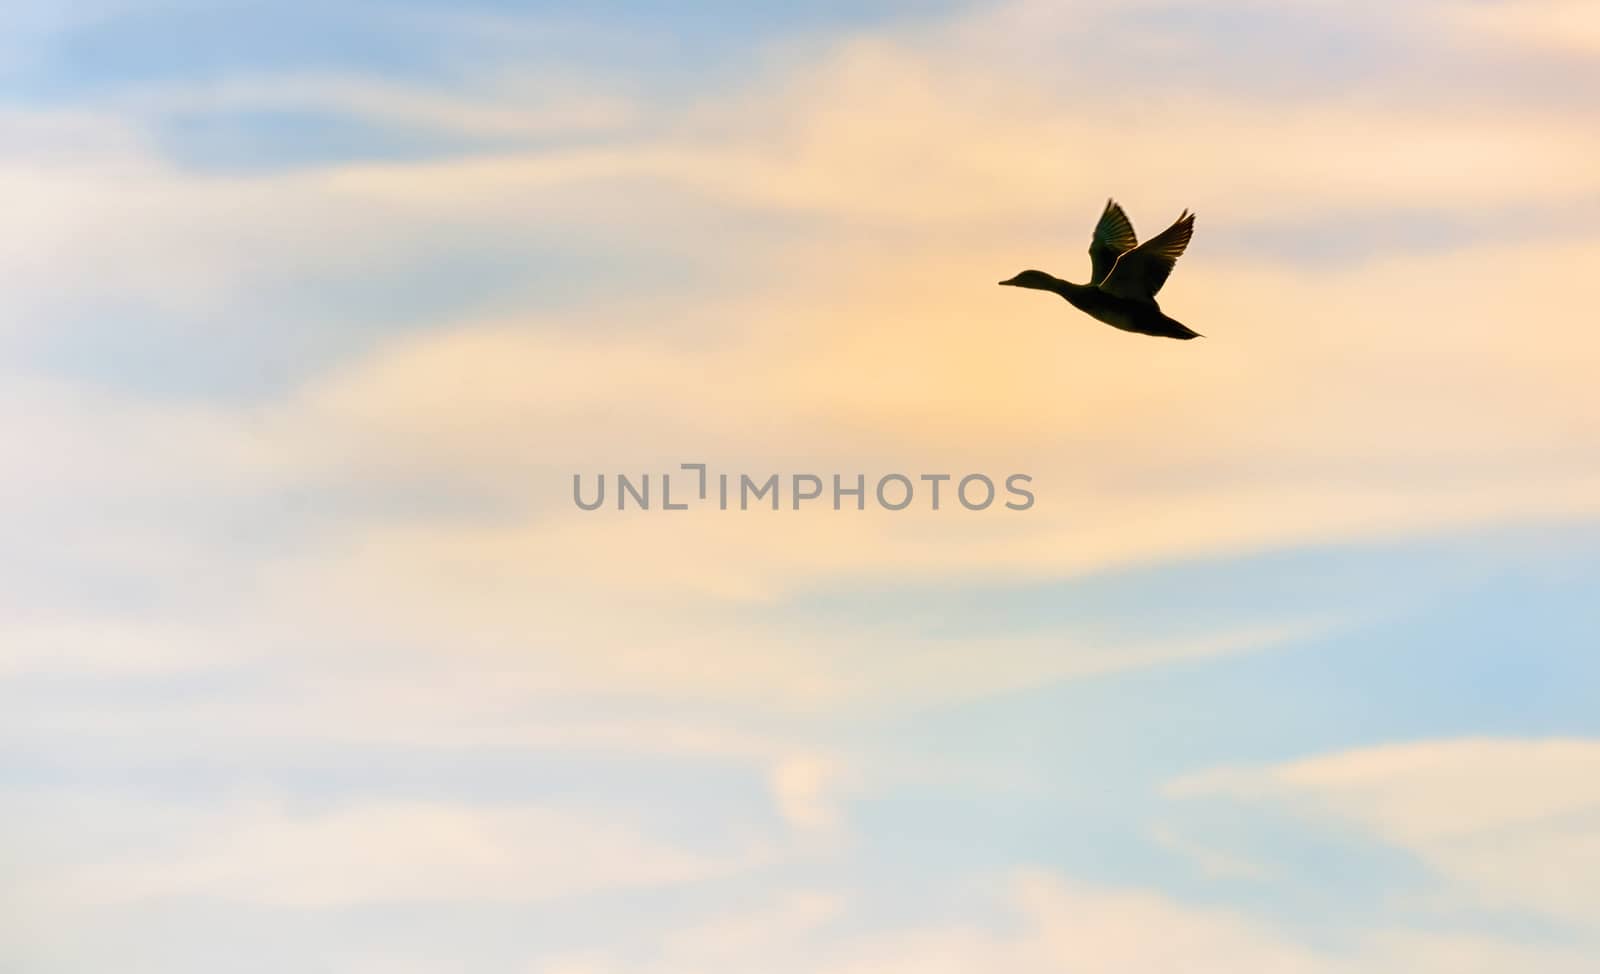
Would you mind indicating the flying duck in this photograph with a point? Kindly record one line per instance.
(1126, 275)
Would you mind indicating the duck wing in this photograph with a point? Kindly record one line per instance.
(1113, 237)
(1139, 273)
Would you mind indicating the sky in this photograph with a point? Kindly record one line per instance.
(312, 312)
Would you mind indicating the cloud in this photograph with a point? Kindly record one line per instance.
(1552, 26)
(762, 929)
(103, 648)
(1055, 924)
(373, 556)
(1503, 824)
(802, 787)
(373, 852)
(508, 107)
(1211, 862)
(885, 135)
(1367, 400)
(959, 124)
(1313, 420)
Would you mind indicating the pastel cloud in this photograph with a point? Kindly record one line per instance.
(1364, 400)
(1056, 924)
(376, 554)
(1504, 824)
(867, 377)
(375, 852)
(959, 122)
(511, 107)
(1557, 26)
(804, 786)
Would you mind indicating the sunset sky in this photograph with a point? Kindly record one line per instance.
(312, 310)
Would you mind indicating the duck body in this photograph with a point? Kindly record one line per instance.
(1124, 276)
(1128, 314)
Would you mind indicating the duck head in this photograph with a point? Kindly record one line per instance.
(1034, 279)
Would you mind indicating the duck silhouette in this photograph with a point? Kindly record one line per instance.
(1125, 275)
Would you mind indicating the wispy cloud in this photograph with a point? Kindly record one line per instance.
(1555, 26)
(510, 107)
(289, 449)
(1503, 823)
(381, 852)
